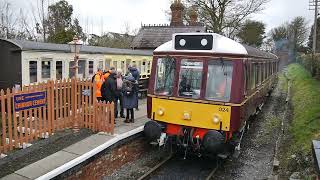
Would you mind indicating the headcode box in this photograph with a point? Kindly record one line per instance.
(30, 100)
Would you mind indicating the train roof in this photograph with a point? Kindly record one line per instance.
(40, 46)
(219, 44)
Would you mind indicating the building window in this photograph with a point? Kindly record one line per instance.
(33, 71)
(190, 78)
(90, 67)
(45, 72)
(59, 70)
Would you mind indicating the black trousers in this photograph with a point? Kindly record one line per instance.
(118, 99)
(130, 112)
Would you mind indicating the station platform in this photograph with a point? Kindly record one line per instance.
(77, 153)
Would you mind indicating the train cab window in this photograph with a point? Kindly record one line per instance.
(164, 79)
(219, 80)
(190, 78)
(33, 71)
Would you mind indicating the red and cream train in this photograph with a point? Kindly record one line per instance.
(203, 88)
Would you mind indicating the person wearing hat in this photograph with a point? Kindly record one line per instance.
(133, 70)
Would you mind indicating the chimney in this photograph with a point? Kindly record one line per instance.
(176, 12)
(193, 15)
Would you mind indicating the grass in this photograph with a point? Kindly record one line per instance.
(305, 124)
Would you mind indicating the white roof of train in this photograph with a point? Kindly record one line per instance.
(221, 45)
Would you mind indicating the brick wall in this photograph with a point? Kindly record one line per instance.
(107, 162)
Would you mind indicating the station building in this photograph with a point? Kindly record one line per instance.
(150, 37)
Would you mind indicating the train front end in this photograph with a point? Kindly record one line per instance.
(190, 94)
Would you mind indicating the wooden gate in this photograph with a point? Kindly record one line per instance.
(37, 111)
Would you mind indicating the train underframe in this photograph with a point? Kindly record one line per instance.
(202, 142)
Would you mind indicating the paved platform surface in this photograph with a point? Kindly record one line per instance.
(74, 151)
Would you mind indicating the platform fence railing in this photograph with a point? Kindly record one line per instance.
(38, 111)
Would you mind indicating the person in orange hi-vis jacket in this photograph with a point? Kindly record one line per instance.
(99, 80)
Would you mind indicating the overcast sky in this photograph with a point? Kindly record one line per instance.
(114, 14)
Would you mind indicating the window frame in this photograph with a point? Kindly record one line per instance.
(36, 71)
(59, 61)
(204, 87)
(174, 81)
(203, 80)
(49, 60)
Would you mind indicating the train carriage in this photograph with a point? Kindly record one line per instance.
(203, 88)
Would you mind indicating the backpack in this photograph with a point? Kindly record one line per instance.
(128, 88)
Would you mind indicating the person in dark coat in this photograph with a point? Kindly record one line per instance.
(136, 74)
(129, 97)
(108, 88)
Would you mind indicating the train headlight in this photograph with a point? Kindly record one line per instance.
(216, 119)
(160, 112)
(186, 115)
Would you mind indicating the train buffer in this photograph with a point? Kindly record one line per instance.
(316, 155)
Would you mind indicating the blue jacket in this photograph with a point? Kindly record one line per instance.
(130, 100)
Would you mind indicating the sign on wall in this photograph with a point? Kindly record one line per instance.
(30, 100)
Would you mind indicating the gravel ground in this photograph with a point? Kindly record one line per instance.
(40, 149)
(257, 151)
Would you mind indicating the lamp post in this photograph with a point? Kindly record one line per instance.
(75, 46)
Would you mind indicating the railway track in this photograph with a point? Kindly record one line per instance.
(173, 165)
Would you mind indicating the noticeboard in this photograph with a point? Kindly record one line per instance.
(30, 100)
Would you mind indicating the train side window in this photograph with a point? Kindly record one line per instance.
(164, 79)
(265, 71)
(46, 69)
(247, 78)
(219, 80)
(90, 67)
(33, 71)
(58, 70)
(190, 78)
(253, 75)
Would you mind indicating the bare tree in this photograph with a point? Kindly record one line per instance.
(226, 16)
